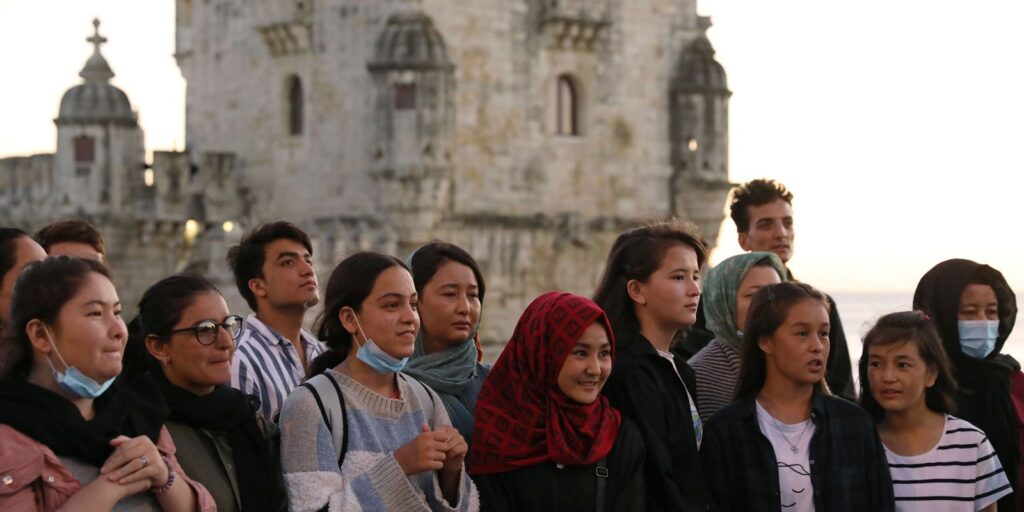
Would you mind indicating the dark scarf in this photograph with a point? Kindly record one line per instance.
(230, 411)
(128, 409)
(984, 397)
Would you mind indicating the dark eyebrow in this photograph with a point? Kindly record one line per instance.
(288, 254)
(100, 302)
(395, 295)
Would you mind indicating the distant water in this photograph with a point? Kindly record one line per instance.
(859, 311)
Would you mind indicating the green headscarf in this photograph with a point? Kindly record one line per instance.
(720, 289)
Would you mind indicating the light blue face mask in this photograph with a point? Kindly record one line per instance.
(978, 337)
(74, 381)
(375, 357)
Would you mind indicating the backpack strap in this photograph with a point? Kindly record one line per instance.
(422, 395)
(602, 476)
(334, 417)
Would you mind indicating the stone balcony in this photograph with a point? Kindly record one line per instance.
(574, 24)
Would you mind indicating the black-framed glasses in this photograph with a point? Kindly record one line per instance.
(207, 330)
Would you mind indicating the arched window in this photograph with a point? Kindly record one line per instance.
(567, 108)
(295, 105)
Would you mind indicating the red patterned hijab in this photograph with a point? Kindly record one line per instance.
(522, 417)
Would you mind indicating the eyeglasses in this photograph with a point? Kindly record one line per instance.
(207, 330)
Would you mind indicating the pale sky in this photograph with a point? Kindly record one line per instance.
(894, 122)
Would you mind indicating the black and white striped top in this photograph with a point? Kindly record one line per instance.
(717, 368)
(962, 473)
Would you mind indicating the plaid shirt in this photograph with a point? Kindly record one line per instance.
(849, 472)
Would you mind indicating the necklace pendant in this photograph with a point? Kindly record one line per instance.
(794, 449)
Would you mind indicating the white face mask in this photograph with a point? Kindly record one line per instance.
(72, 380)
(375, 357)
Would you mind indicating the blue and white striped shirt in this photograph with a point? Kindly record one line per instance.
(267, 366)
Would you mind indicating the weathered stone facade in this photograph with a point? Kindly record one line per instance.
(531, 132)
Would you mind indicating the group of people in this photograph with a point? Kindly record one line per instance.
(669, 389)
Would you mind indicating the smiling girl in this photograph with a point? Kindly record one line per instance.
(361, 435)
(787, 444)
(187, 337)
(545, 439)
(936, 459)
(71, 436)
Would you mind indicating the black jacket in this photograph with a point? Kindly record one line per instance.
(840, 370)
(849, 471)
(647, 390)
(545, 487)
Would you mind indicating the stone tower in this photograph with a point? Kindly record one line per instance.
(100, 158)
(531, 132)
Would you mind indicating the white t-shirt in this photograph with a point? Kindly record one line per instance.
(796, 494)
(698, 427)
(961, 473)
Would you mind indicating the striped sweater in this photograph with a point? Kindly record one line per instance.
(370, 477)
(718, 371)
(961, 473)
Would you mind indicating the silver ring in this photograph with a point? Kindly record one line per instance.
(144, 460)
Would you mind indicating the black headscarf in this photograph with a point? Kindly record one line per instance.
(230, 411)
(129, 409)
(984, 397)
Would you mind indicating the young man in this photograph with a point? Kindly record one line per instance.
(76, 238)
(762, 210)
(273, 270)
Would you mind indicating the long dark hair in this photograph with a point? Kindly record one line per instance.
(350, 283)
(768, 310)
(910, 327)
(40, 293)
(160, 308)
(635, 255)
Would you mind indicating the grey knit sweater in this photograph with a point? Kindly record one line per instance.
(370, 477)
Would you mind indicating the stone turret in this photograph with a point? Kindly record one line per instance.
(415, 116)
(100, 154)
(699, 132)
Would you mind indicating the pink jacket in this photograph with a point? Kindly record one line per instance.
(32, 478)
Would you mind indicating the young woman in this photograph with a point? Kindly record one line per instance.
(974, 310)
(727, 293)
(361, 434)
(450, 288)
(786, 444)
(545, 438)
(937, 461)
(650, 291)
(188, 338)
(70, 437)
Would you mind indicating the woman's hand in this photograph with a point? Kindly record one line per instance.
(135, 460)
(425, 452)
(457, 449)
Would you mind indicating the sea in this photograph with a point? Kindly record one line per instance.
(860, 310)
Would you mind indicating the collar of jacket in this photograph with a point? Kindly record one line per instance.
(748, 409)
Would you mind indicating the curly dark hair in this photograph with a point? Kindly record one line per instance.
(755, 193)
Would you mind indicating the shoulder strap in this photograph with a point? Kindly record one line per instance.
(423, 395)
(602, 477)
(321, 386)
